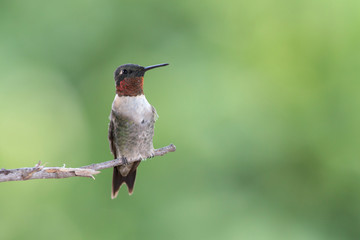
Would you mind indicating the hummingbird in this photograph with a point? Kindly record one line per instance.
(131, 127)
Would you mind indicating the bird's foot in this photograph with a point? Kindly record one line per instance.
(125, 161)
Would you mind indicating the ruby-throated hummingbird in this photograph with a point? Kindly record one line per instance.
(131, 127)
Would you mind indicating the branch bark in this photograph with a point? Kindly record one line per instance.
(41, 172)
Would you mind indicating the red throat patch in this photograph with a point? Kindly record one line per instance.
(130, 87)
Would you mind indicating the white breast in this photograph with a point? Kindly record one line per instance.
(137, 108)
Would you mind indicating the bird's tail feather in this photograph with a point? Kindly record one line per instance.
(118, 180)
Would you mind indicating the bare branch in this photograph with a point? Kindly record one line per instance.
(41, 172)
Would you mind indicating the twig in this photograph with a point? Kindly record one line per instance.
(41, 172)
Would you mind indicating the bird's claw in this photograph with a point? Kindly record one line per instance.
(125, 161)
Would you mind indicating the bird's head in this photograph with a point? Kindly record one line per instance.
(129, 79)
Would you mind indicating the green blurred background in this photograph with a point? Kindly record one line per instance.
(261, 99)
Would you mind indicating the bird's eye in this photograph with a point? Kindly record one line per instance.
(124, 71)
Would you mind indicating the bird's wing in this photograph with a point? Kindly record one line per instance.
(156, 116)
(111, 136)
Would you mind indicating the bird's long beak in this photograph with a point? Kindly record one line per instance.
(156, 66)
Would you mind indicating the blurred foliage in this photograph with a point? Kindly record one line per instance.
(261, 99)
